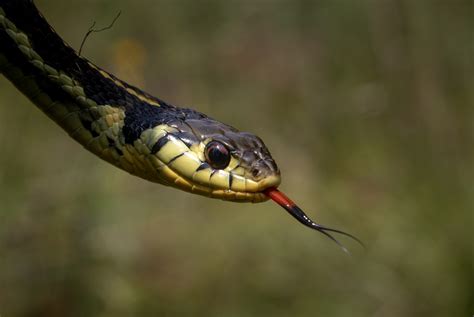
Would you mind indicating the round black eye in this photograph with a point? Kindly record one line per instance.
(217, 155)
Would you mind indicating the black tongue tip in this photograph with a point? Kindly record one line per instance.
(300, 215)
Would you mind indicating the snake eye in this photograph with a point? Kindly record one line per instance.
(217, 155)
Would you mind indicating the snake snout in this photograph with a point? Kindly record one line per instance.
(263, 168)
(266, 173)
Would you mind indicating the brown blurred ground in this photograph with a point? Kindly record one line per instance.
(367, 106)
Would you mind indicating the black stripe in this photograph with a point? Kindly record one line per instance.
(187, 138)
(159, 144)
(231, 178)
(203, 166)
(176, 157)
(143, 116)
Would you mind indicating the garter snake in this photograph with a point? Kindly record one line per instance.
(131, 129)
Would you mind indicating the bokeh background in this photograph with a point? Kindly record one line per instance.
(367, 106)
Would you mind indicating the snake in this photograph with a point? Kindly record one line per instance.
(131, 129)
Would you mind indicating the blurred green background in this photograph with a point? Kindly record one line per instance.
(367, 106)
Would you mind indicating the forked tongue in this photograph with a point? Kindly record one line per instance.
(282, 200)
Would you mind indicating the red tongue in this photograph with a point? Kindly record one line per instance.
(285, 202)
(278, 197)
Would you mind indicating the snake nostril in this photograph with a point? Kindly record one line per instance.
(255, 172)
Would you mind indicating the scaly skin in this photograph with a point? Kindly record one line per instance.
(123, 125)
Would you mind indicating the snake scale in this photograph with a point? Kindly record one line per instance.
(131, 129)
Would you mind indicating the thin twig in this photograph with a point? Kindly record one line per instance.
(92, 30)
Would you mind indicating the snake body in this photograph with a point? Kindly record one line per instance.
(131, 129)
(123, 125)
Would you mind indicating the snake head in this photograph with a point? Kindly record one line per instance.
(201, 155)
(237, 166)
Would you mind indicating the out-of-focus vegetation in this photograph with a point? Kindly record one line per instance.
(367, 106)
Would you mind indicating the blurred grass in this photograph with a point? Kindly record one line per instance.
(367, 107)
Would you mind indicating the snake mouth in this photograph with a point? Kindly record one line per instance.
(255, 192)
(285, 202)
